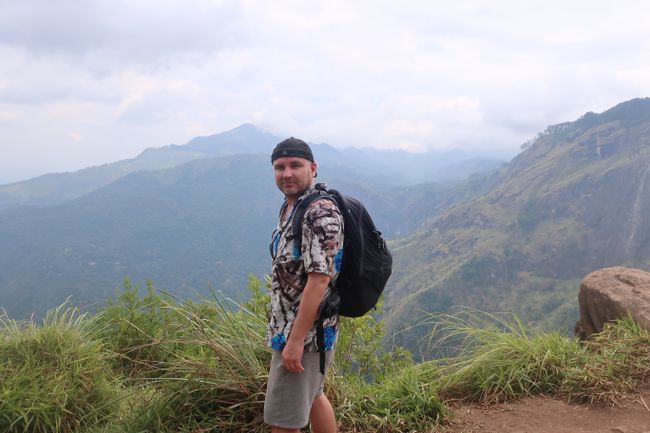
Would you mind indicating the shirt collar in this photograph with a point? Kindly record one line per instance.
(311, 189)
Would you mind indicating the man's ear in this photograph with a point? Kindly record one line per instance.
(314, 169)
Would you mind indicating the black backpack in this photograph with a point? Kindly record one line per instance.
(366, 265)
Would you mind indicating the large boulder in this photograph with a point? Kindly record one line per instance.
(610, 294)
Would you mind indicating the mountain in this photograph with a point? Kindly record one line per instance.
(405, 168)
(180, 215)
(186, 228)
(56, 188)
(202, 224)
(575, 200)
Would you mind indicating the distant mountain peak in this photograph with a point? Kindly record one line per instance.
(245, 127)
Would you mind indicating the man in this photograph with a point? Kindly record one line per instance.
(304, 271)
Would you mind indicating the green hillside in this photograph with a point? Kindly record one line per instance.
(187, 228)
(404, 168)
(56, 188)
(201, 225)
(576, 199)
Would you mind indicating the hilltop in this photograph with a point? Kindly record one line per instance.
(576, 199)
(405, 168)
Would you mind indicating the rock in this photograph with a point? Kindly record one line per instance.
(609, 294)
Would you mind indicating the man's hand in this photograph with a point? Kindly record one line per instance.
(292, 356)
(312, 295)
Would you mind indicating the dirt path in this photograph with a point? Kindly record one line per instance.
(547, 415)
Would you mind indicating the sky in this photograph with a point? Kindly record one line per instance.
(86, 82)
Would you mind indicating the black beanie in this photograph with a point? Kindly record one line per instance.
(292, 147)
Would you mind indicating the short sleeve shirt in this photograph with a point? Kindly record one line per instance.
(320, 250)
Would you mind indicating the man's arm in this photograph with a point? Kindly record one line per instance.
(310, 301)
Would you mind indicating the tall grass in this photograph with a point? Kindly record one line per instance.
(496, 360)
(218, 384)
(202, 367)
(400, 402)
(54, 377)
(141, 331)
(216, 378)
(223, 389)
(618, 364)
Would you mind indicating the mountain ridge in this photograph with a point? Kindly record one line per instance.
(517, 239)
(54, 188)
(554, 213)
(197, 225)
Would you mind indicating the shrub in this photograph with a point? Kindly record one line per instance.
(143, 332)
(374, 389)
(360, 349)
(55, 377)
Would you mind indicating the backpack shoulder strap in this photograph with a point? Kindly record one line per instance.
(296, 227)
(301, 208)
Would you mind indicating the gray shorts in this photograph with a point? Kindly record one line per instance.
(289, 396)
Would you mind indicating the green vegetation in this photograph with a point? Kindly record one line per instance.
(495, 359)
(55, 377)
(550, 217)
(192, 216)
(155, 363)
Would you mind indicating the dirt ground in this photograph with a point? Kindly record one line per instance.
(548, 415)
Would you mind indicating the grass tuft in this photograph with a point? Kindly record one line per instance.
(496, 360)
(618, 364)
(219, 387)
(401, 402)
(55, 377)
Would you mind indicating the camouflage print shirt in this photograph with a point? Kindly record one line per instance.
(320, 251)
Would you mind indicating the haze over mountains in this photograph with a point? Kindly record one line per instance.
(404, 168)
(187, 217)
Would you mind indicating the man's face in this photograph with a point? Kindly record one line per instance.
(293, 175)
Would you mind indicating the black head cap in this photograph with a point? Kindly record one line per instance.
(292, 147)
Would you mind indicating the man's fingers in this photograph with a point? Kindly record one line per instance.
(293, 366)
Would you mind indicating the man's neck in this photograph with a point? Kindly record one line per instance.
(291, 200)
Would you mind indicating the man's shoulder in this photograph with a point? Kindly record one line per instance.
(324, 206)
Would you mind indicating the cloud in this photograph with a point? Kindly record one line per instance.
(141, 32)
(124, 75)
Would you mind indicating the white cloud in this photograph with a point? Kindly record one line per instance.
(103, 80)
(136, 31)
